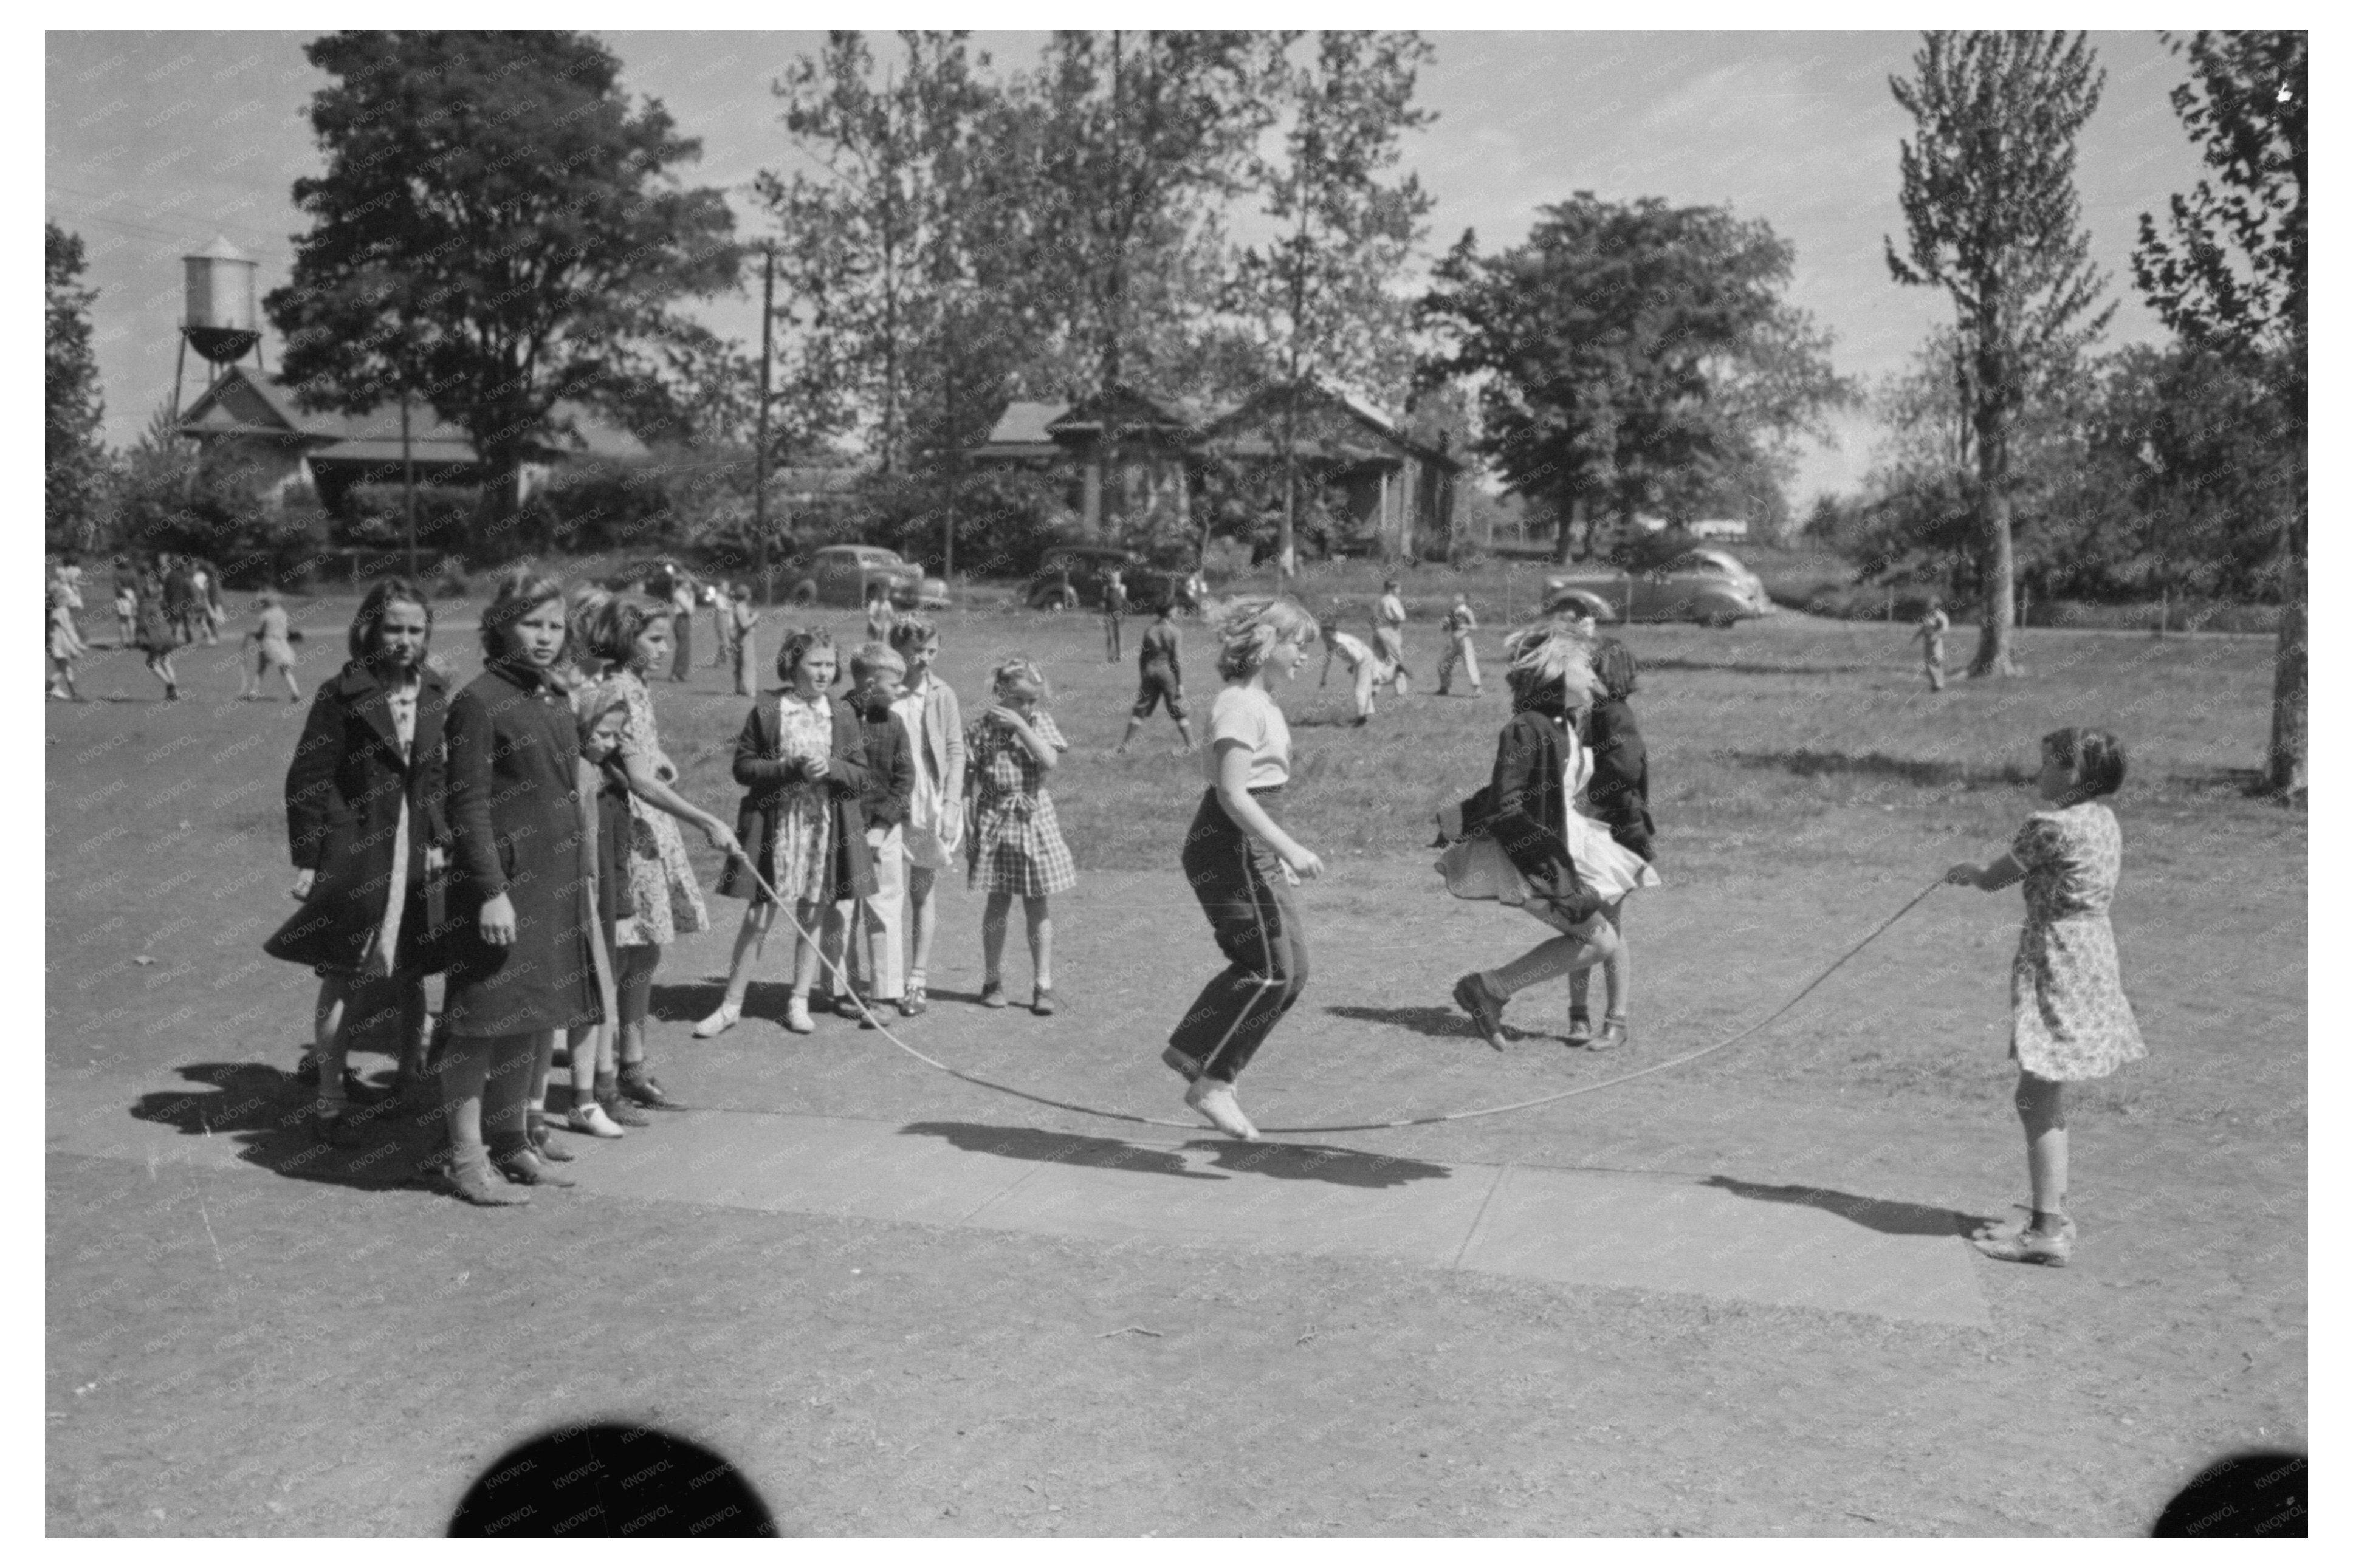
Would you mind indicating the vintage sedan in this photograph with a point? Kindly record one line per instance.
(847, 573)
(1076, 576)
(1710, 586)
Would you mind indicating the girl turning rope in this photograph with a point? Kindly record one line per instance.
(1241, 863)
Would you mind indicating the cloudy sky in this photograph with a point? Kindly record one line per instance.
(155, 142)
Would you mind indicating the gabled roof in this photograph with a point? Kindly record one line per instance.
(242, 403)
(1026, 423)
(1122, 404)
(1241, 431)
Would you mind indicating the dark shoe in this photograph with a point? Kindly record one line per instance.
(847, 1005)
(474, 1184)
(524, 1168)
(639, 1085)
(1187, 1068)
(545, 1145)
(912, 1003)
(992, 994)
(306, 1072)
(1044, 1002)
(621, 1111)
(1581, 1030)
(1471, 995)
(1612, 1036)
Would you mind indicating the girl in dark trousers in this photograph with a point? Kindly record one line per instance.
(1618, 791)
(365, 820)
(1241, 864)
(524, 949)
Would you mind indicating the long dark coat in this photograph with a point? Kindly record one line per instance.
(514, 812)
(761, 769)
(1620, 788)
(343, 793)
(1525, 807)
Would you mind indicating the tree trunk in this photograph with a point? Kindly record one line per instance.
(1565, 538)
(2290, 677)
(1994, 655)
(1286, 545)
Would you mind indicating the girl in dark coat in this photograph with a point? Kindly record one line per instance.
(155, 638)
(1525, 810)
(801, 759)
(1618, 792)
(524, 950)
(364, 819)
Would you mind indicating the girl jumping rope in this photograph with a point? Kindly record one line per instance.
(801, 759)
(2070, 1020)
(1241, 863)
(1537, 851)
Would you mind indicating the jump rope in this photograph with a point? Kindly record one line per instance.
(874, 1020)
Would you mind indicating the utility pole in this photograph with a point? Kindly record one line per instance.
(760, 440)
(408, 482)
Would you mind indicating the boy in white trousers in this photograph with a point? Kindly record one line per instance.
(877, 953)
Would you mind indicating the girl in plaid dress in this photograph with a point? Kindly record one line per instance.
(1016, 850)
(2070, 1019)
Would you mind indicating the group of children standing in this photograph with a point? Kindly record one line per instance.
(522, 836)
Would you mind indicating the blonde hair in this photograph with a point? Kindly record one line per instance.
(1539, 658)
(1247, 630)
(1021, 671)
(871, 656)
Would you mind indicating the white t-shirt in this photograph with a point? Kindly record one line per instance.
(1351, 649)
(1245, 713)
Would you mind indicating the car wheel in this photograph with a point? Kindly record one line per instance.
(1061, 603)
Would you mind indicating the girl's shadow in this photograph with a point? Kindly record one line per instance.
(1438, 1023)
(267, 1113)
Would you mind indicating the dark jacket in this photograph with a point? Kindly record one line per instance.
(343, 793)
(762, 770)
(1525, 808)
(514, 813)
(1620, 789)
(889, 767)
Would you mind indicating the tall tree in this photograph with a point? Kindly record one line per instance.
(2233, 276)
(496, 228)
(76, 469)
(1991, 216)
(1626, 349)
(1324, 294)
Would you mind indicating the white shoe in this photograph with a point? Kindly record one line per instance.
(1213, 1098)
(719, 1023)
(797, 1016)
(591, 1119)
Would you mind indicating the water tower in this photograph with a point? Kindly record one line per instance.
(223, 322)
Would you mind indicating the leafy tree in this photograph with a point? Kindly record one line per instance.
(2232, 278)
(1323, 296)
(1626, 349)
(497, 230)
(1992, 218)
(76, 469)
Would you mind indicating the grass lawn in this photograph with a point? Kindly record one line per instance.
(293, 1352)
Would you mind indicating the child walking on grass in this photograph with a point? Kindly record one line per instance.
(801, 759)
(1241, 864)
(1016, 849)
(154, 636)
(273, 644)
(927, 706)
(65, 646)
(1522, 842)
(2070, 1020)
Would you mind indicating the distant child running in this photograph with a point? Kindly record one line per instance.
(801, 759)
(65, 646)
(935, 823)
(1363, 665)
(2070, 1020)
(1388, 636)
(1459, 623)
(1241, 864)
(126, 602)
(1159, 677)
(1540, 853)
(154, 636)
(1016, 849)
(272, 640)
(1930, 635)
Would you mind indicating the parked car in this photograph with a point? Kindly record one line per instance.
(844, 575)
(1073, 576)
(1710, 586)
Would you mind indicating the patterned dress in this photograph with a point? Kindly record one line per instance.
(2069, 1017)
(798, 859)
(1017, 845)
(664, 893)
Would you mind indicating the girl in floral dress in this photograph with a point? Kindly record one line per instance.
(631, 635)
(802, 762)
(1016, 850)
(2070, 1020)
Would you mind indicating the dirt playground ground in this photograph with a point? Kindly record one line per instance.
(246, 1338)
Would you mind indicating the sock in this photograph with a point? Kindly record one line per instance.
(2047, 1224)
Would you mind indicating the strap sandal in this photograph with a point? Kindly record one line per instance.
(640, 1086)
(914, 1002)
(1613, 1035)
(1581, 1030)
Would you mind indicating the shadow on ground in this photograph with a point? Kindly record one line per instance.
(1878, 764)
(1285, 1162)
(1737, 666)
(1438, 1023)
(267, 1114)
(1886, 1215)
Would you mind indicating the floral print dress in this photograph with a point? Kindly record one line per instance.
(2070, 1019)
(665, 896)
(797, 860)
